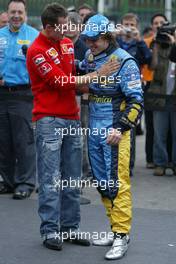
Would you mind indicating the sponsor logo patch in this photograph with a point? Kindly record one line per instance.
(134, 84)
(90, 58)
(133, 76)
(23, 42)
(20, 53)
(38, 59)
(45, 68)
(3, 41)
(52, 53)
(67, 48)
(56, 61)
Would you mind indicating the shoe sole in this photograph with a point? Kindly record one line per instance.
(122, 255)
(102, 245)
(74, 242)
(53, 248)
(19, 197)
(116, 258)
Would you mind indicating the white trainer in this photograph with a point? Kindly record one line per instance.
(119, 248)
(105, 241)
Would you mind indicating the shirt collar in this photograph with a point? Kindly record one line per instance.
(21, 29)
(50, 42)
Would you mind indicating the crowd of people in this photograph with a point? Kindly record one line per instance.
(81, 66)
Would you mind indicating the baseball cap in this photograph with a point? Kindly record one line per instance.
(97, 25)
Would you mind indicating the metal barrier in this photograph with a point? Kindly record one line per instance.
(35, 7)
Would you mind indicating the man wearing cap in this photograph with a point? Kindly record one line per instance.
(115, 106)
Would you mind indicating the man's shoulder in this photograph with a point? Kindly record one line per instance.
(66, 41)
(36, 47)
(30, 28)
(122, 54)
(31, 32)
(81, 44)
(127, 61)
(130, 72)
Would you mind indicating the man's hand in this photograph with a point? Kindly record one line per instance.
(109, 67)
(84, 89)
(105, 70)
(136, 34)
(120, 31)
(114, 137)
(171, 37)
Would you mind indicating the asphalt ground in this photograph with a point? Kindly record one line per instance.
(153, 235)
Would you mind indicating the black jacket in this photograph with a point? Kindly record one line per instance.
(172, 56)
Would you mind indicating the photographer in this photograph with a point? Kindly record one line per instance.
(129, 39)
(162, 93)
(156, 22)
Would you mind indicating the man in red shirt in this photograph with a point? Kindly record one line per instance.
(50, 62)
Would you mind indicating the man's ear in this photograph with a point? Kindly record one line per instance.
(48, 27)
(26, 18)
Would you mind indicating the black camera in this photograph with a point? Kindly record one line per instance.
(161, 36)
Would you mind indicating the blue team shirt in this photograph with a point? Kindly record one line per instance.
(12, 60)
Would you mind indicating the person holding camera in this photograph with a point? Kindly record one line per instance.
(129, 39)
(162, 92)
(147, 75)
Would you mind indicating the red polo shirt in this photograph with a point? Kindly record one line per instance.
(51, 66)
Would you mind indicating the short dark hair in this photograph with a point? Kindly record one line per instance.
(74, 18)
(88, 16)
(158, 15)
(85, 6)
(51, 13)
(129, 16)
(147, 30)
(111, 38)
(17, 1)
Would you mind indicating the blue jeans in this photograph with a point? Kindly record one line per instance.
(161, 121)
(58, 161)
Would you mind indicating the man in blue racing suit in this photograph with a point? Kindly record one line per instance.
(115, 106)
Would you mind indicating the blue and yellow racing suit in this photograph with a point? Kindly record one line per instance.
(114, 102)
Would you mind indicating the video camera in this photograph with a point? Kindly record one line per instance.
(161, 36)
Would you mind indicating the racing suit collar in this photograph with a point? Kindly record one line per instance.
(106, 52)
(46, 39)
